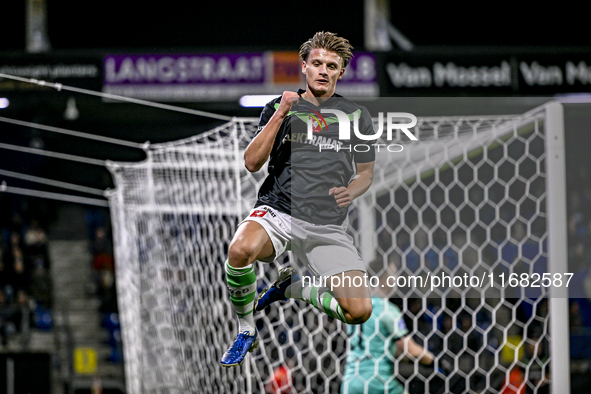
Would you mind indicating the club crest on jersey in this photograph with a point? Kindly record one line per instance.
(316, 127)
(316, 120)
(258, 214)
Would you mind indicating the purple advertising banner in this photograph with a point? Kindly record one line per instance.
(211, 77)
(360, 77)
(361, 69)
(184, 69)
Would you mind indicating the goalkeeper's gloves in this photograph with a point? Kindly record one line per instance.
(443, 366)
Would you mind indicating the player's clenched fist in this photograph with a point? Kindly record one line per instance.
(341, 196)
(287, 100)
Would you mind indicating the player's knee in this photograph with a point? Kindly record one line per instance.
(240, 255)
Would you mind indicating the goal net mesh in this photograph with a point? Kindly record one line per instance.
(467, 198)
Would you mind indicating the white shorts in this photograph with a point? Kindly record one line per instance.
(276, 224)
(325, 249)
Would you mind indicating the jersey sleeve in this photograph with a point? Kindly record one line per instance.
(366, 128)
(265, 116)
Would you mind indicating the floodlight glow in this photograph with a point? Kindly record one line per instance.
(258, 100)
(3, 102)
(574, 98)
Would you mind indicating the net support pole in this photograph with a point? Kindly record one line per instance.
(557, 247)
(237, 160)
(367, 229)
(237, 167)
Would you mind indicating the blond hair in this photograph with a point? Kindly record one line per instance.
(330, 42)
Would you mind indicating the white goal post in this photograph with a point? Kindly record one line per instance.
(478, 195)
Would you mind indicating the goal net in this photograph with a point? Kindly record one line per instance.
(470, 198)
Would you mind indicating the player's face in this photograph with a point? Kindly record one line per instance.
(323, 69)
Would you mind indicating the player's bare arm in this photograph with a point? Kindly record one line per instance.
(259, 149)
(344, 196)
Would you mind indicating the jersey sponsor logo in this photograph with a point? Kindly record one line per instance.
(317, 140)
(258, 213)
(270, 211)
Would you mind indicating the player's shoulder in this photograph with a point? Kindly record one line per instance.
(268, 111)
(273, 104)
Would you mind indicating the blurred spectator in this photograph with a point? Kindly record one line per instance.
(281, 381)
(110, 322)
(575, 320)
(18, 274)
(102, 251)
(579, 251)
(15, 317)
(3, 270)
(515, 385)
(25, 283)
(36, 245)
(22, 317)
(41, 288)
(107, 292)
(35, 238)
(5, 319)
(95, 219)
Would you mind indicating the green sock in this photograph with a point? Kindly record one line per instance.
(242, 287)
(319, 297)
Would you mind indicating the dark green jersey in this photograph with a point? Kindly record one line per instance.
(302, 170)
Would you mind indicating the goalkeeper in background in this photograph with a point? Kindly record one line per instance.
(304, 201)
(376, 344)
